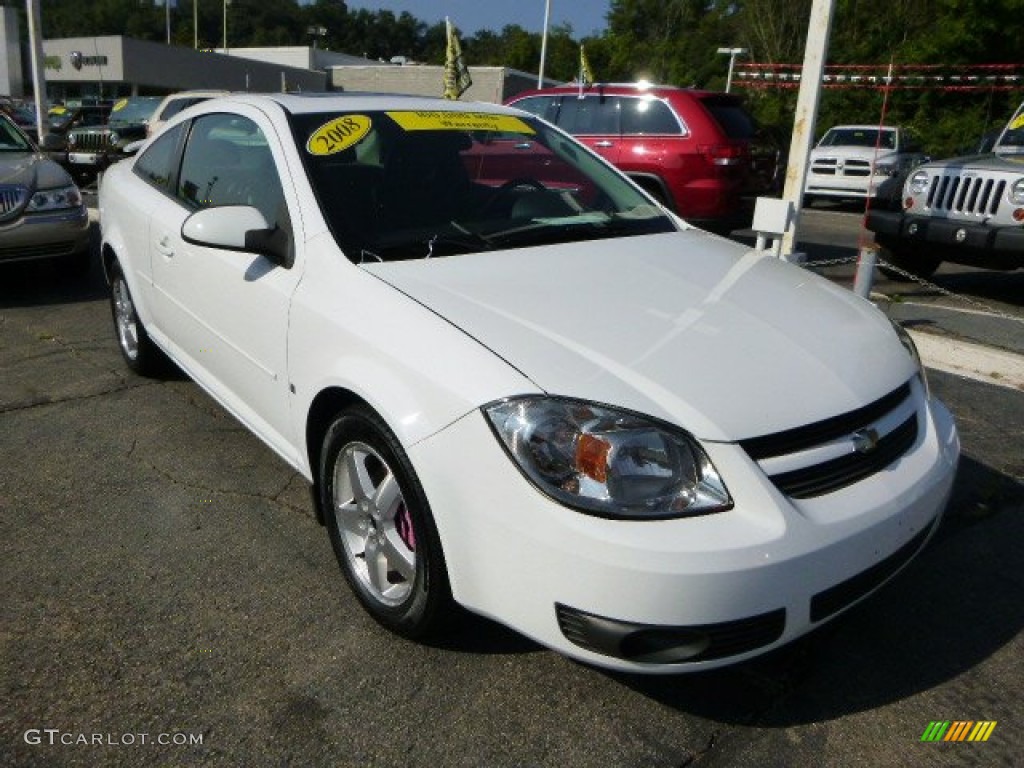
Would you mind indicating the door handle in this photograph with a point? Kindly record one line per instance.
(163, 245)
(604, 144)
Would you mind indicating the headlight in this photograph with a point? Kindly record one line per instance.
(55, 199)
(1016, 193)
(918, 183)
(886, 169)
(114, 138)
(911, 347)
(608, 462)
(71, 140)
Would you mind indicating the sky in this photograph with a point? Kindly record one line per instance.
(585, 16)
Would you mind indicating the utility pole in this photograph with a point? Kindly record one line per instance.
(35, 44)
(815, 52)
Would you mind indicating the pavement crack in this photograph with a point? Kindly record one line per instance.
(42, 402)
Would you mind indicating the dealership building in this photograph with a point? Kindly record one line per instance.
(116, 66)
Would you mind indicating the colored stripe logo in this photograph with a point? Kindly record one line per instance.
(959, 730)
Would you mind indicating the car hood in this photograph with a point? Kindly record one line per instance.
(31, 170)
(685, 327)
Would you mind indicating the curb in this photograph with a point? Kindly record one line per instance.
(972, 361)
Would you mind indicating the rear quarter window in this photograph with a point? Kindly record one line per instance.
(642, 116)
(158, 163)
(731, 116)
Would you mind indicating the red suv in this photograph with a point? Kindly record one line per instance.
(689, 149)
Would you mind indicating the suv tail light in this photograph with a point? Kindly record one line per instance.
(724, 154)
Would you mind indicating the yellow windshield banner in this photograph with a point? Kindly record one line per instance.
(338, 135)
(1018, 123)
(119, 106)
(460, 121)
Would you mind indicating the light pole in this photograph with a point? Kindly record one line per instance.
(167, 18)
(544, 43)
(226, 4)
(195, 25)
(733, 53)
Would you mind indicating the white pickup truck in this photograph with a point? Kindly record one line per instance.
(968, 210)
(856, 162)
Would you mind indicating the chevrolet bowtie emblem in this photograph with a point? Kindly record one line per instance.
(865, 440)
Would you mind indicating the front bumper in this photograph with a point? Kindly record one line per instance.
(677, 595)
(37, 236)
(963, 242)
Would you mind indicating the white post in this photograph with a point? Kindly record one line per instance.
(815, 53)
(167, 19)
(865, 276)
(195, 25)
(225, 46)
(544, 43)
(35, 45)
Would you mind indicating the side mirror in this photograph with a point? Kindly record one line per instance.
(238, 228)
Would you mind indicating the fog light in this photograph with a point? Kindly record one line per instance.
(912, 229)
(1018, 214)
(908, 203)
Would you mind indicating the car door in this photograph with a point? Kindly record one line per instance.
(594, 120)
(225, 312)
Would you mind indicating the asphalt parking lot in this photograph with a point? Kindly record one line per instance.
(164, 581)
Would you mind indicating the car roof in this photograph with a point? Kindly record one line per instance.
(312, 103)
(622, 88)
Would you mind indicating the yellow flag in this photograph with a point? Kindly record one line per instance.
(456, 73)
(586, 74)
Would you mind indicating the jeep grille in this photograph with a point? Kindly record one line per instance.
(970, 196)
(91, 141)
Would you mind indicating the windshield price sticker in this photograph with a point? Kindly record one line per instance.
(459, 121)
(338, 135)
(119, 106)
(1018, 122)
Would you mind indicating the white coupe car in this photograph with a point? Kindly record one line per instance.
(518, 385)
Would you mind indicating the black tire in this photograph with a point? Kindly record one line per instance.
(137, 349)
(382, 531)
(910, 263)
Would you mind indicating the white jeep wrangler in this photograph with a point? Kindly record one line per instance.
(968, 210)
(856, 162)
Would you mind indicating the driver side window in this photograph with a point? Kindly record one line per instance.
(227, 161)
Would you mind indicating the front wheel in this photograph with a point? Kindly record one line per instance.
(380, 525)
(909, 264)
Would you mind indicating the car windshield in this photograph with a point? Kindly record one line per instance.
(11, 139)
(133, 111)
(858, 137)
(402, 185)
(1012, 140)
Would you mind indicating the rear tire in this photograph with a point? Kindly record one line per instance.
(137, 349)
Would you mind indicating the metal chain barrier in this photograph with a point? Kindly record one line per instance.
(921, 282)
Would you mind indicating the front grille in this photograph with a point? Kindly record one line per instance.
(12, 200)
(831, 166)
(846, 470)
(89, 142)
(837, 473)
(970, 196)
(834, 599)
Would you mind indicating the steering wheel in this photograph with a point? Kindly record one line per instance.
(522, 182)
